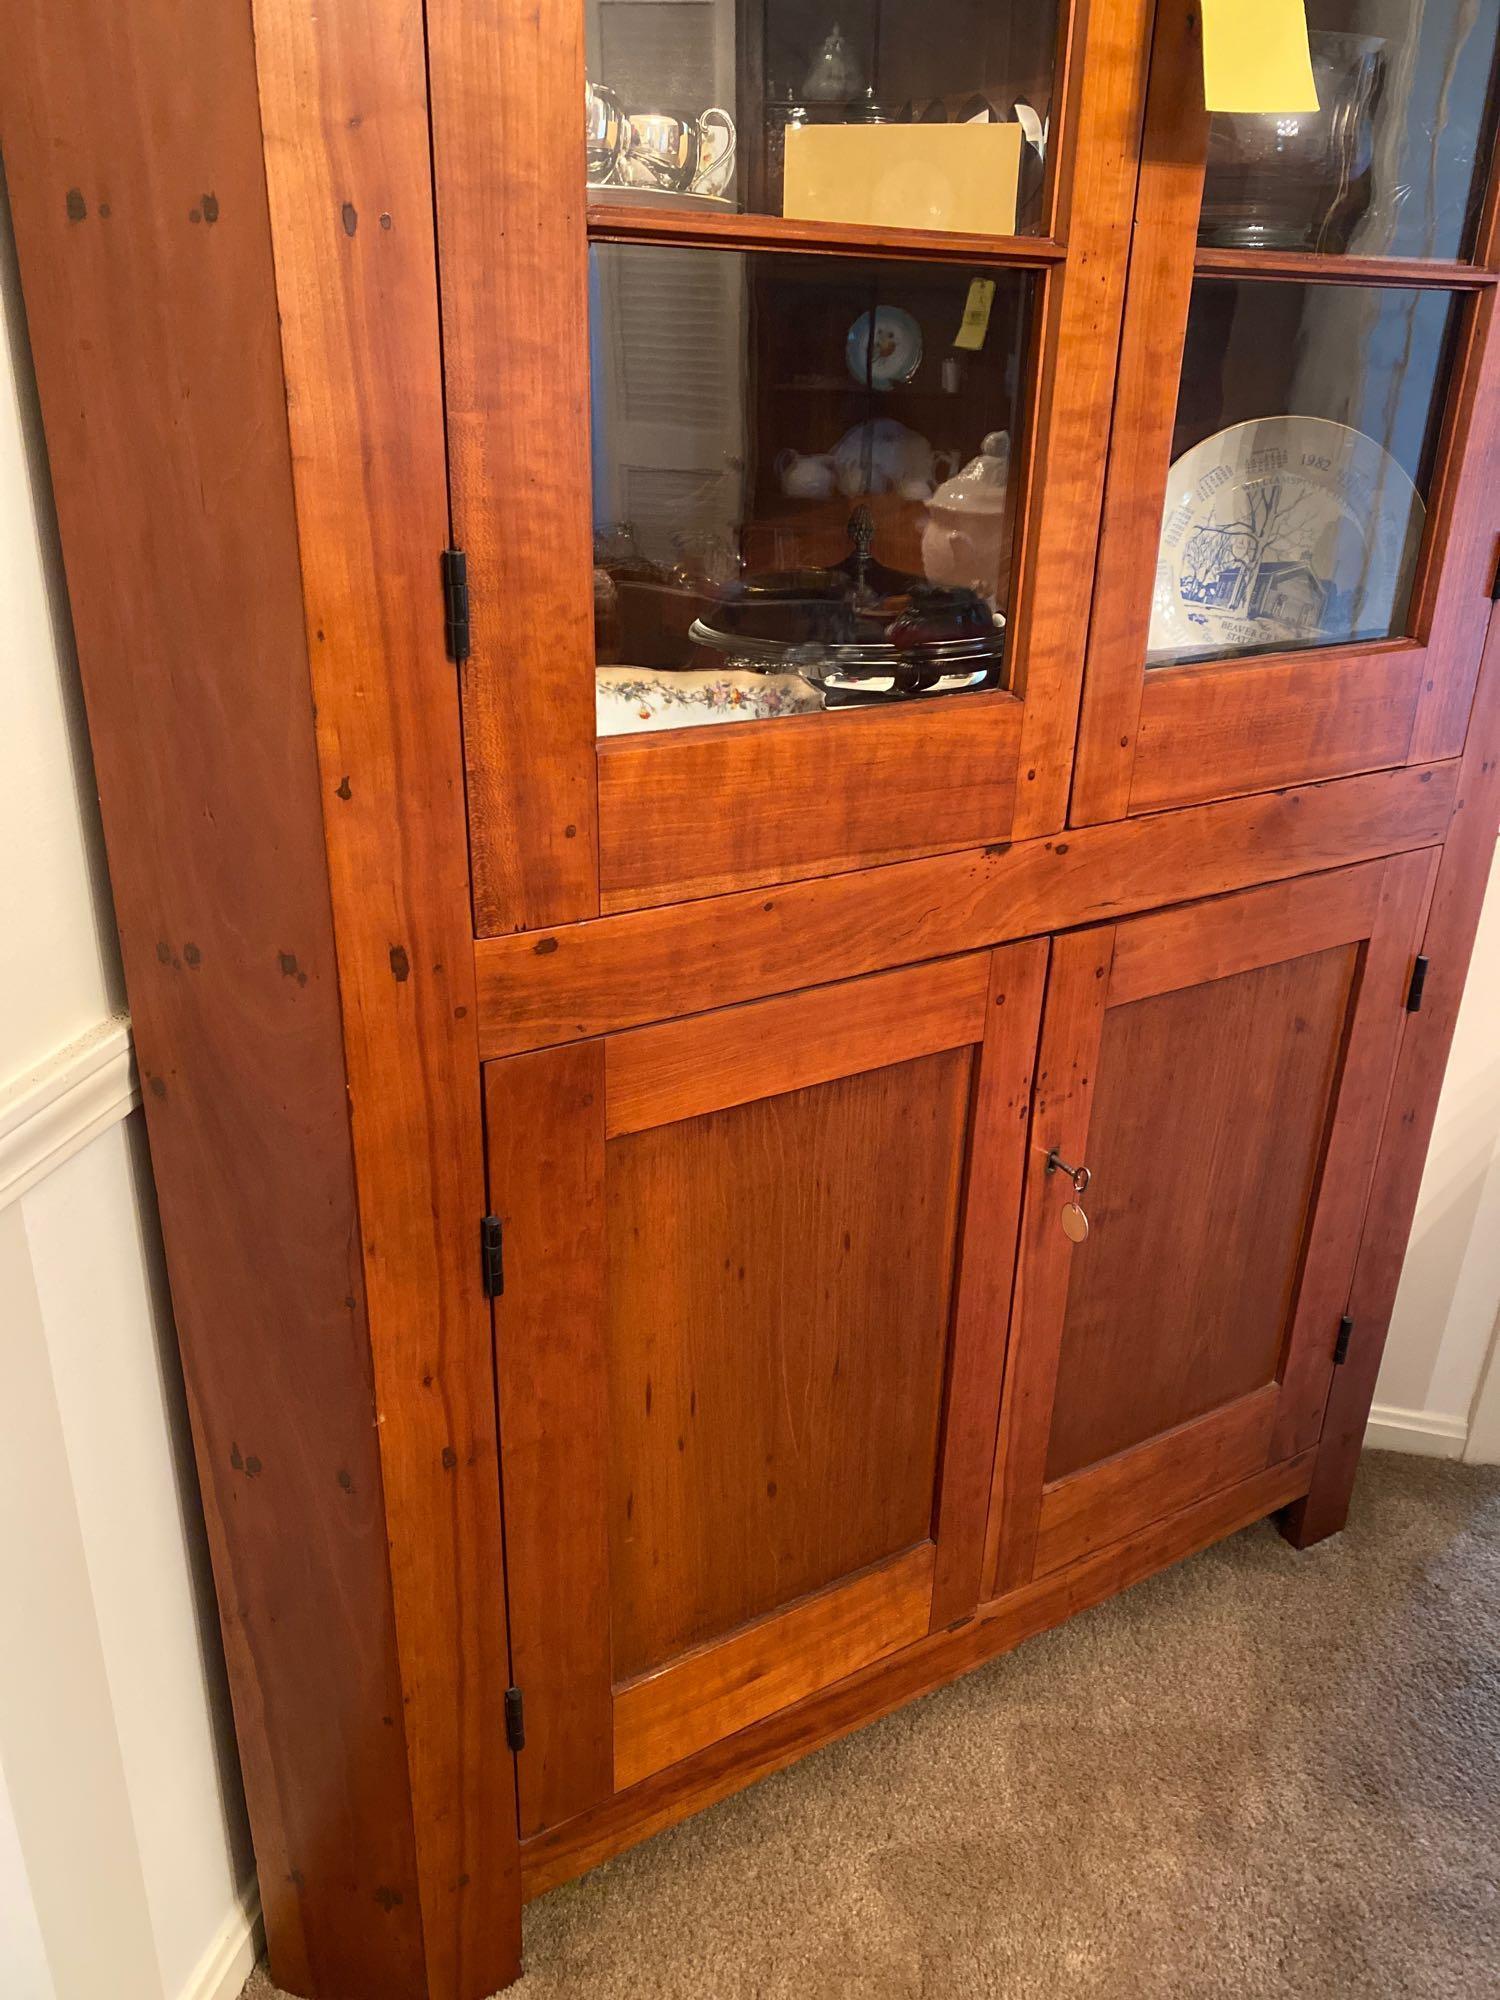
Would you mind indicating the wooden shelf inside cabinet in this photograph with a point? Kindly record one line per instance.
(706, 229)
(1308, 267)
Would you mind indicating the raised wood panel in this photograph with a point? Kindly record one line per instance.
(1248, 725)
(696, 812)
(728, 1766)
(770, 1666)
(1209, 1114)
(507, 84)
(780, 1277)
(1089, 1509)
(711, 1062)
(1203, 941)
(544, 1120)
(586, 979)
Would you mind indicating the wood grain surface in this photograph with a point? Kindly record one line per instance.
(141, 208)
(587, 979)
(714, 1693)
(344, 112)
(544, 1123)
(670, 1796)
(780, 1277)
(507, 90)
(1210, 1115)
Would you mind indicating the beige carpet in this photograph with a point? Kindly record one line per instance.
(1259, 1774)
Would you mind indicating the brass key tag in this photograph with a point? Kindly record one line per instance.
(1075, 1223)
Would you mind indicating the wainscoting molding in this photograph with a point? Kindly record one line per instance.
(1423, 1433)
(51, 1112)
(230, 1958)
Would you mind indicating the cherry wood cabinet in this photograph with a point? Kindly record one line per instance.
(616, 1062)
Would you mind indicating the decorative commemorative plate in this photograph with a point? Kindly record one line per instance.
(1283, 532)
(886, 347)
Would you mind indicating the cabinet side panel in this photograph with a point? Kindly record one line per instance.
(343, 94)
(133, 152)
(1427, 1038)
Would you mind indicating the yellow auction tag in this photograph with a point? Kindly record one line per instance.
(976, 321)
(1255, 56)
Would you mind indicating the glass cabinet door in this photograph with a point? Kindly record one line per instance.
(1299, 541)
(779, 343)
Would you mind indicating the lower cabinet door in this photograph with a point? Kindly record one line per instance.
(749, 1351)
(1220, 1071)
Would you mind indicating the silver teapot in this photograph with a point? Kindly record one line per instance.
(656, 149)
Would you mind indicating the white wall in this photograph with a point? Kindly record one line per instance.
(1444, 1323)
(124, 1865)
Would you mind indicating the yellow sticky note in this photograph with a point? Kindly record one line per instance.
(1255, 56)
(976, 320)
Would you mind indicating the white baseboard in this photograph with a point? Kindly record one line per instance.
(230, 1958)
(54, 1110)
(1421, 1432)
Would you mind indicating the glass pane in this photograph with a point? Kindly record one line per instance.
(931, 117)
(1307, 426)
(801, 478)
(1393, 163)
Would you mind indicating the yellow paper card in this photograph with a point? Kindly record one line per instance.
(1255, 56)
(905, 176)
(976, 319)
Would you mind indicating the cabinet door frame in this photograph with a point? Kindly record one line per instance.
(1037, 1525)
(564, 828)
(549, 1114)
(1167, 736)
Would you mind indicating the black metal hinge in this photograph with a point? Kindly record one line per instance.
(1341, 1345)
(492, 1255)
(456, 603)
(515, 1718)
(1418, 981)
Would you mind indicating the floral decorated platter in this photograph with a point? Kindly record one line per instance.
(1282, 532)
(629, 700)
(884, 346)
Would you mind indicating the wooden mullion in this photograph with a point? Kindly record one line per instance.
(616, 222)
(1308, 267)
(1173, 153)
(1062, 473)
(1452, 603)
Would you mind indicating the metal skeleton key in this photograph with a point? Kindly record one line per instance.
(1075, 1223)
